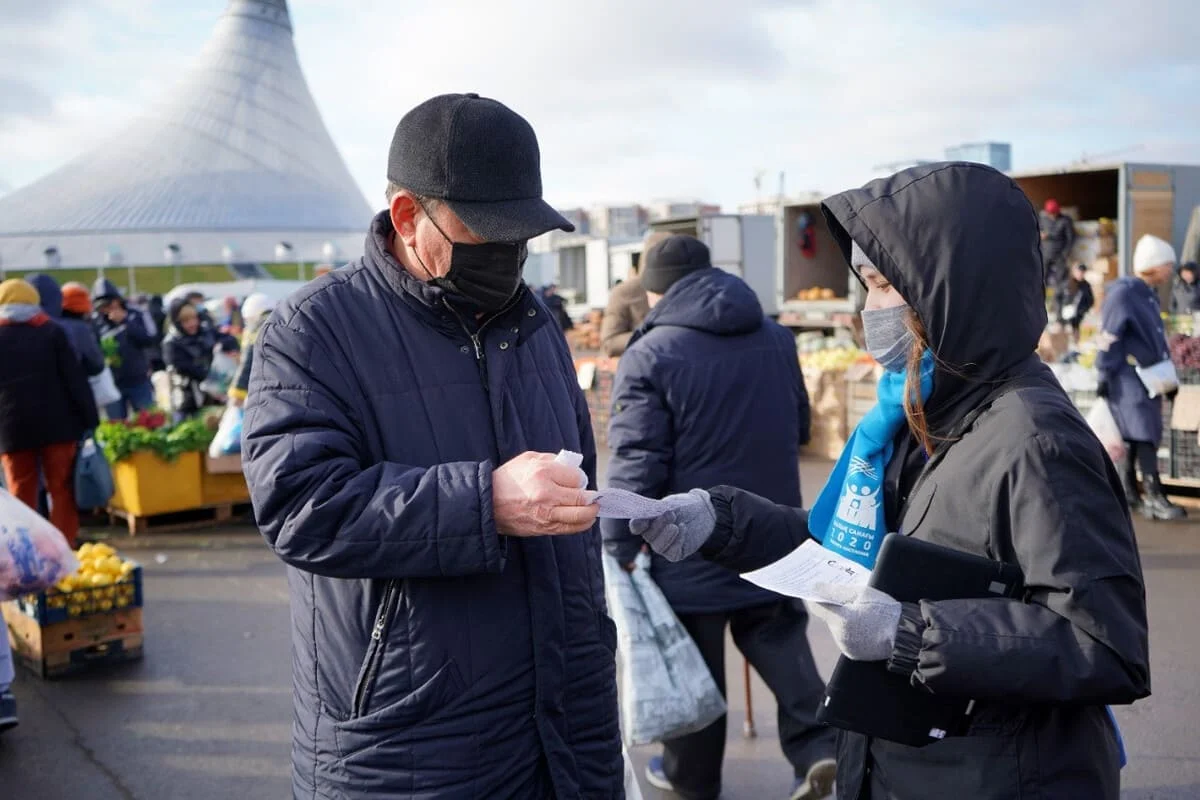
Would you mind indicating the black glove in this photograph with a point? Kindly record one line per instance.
(1171, 395)
(1102, 390)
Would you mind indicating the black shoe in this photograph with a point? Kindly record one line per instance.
(8, 710)
(1156, 506)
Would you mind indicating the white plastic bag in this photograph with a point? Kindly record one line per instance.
(220, 374)
(1160, 378)
(34, 555)
(666, 688)
(104, 388)
(632, 790)
(1100, 418)
(228, 440)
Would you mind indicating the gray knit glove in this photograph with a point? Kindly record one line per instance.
(681, 531)
(864, 626)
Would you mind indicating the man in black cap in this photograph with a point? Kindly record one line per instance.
(710, 393)
(450, 637)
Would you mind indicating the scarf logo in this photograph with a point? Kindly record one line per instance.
(859, 507)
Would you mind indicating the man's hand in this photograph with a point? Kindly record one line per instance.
(532, 495)
(116, 314)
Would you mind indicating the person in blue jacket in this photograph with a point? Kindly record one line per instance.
(450, 633)
(131, 370)
(80, 333)
(684, 418)
(1133, 336)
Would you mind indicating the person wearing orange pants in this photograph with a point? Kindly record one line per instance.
(57, 463)
(46, 404)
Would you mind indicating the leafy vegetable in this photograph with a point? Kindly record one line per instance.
(120, 440)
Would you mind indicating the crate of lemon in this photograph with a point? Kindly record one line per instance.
(94, 615)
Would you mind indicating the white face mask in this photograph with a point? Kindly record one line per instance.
(889, 339)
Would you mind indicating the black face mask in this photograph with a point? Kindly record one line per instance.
(485, 276)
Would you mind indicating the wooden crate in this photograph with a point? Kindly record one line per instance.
(77, 644)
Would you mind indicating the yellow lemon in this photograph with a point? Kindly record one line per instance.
(103, 550)
(106, 605)
(74, 610)
(84, 550)
(100, 579)
(110, 565)
(66, 585)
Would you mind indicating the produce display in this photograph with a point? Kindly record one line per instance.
(103, 582)
(150, 431)
(834, 359)
(816, 293)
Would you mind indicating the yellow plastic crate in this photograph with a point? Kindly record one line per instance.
(147, 485)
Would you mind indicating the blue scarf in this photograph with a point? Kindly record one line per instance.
(848, 516)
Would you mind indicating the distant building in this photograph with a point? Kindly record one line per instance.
(994, 154)
(617, 222)
(674, 209)
(577, 217)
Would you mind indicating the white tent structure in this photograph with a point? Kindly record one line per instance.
(233, 165)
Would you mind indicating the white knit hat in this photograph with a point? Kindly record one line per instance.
(1152, 252)
(858, 259)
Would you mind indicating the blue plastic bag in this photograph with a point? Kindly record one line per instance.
(228, 440)
(93, 476)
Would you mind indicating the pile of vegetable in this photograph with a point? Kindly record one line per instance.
(149, 431)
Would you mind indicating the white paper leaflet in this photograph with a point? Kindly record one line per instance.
(799, 573)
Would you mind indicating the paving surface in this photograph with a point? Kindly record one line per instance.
(207, 713)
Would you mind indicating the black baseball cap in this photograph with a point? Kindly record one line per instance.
(479, 157)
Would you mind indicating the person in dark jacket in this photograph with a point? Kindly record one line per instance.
(682, 419)
(115, 322)
(1058, 237)
(1132, 324)
(79, 331)
(75, 317)
(188, 353)
(557, 306)
(1185, 291)
(1075, 300)
(450, 639)
(45, 405)
(1013, 473)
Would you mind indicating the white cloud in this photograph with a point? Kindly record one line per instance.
(633, 100)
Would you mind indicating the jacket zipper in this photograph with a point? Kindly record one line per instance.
(480, 356)
(375, 649)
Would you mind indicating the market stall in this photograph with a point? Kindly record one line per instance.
(161, 469)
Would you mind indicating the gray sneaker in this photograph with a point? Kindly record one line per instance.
(818, 783)
(8, 710)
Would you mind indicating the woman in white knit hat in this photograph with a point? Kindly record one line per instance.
(1132, 337)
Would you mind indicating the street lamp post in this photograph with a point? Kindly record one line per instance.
(174, 256)
(283, 253)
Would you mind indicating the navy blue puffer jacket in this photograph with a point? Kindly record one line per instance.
(433, 657)
(708, 393)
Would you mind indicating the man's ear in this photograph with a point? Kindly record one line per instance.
(403, 210)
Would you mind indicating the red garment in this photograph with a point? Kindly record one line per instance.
(57, 462)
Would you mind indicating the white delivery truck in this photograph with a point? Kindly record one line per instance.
(813, 286)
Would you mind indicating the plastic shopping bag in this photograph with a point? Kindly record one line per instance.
(220, 374)
(632, 790)
(93, 477)
(1100, 418)
(1159, 379)
(104, 388)
(666, 688)
(34, 555)
(228, 440)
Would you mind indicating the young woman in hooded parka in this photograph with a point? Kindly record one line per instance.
(991, 459)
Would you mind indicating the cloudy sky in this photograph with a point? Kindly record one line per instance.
(635, 100)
